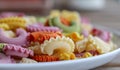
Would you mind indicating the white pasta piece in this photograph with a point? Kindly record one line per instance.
(64, 44)
(81, 45)
(27, 60)
(103, 46)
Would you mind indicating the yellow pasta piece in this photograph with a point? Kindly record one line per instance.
(66, 56)
(86, 55)
(14, 22)
(75, 36)
(4, 26)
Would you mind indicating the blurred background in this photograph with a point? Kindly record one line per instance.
(104, 12)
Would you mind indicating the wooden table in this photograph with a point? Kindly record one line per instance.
(109, 17)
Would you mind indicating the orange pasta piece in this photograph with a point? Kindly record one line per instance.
(65, 21)
(42, 36)
(45, 58)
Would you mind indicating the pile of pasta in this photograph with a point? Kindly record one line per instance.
(62, 35)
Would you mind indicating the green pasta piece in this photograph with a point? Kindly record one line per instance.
(1, 46)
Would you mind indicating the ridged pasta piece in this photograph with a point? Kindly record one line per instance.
(80, 46)
(75, 36)
(95, 43)
(21, 38)
(15, 50)
(14, 22)
(42, 36)
(45, 58)
(42, 28)
(73, 27)
(87, 44)
(63, 44)
(27, 60)
(4, 26)
(66, 56)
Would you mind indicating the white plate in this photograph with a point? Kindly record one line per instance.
(80, 64)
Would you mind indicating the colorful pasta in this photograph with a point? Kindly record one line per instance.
(20, 40)
(14, 22)
(4, 26)
(58, 37)
(66, 56)
(40, 27)
(42, 36)
(75, 36)
(27, 60)
(15, 50)
(62, 44)
(45, 58)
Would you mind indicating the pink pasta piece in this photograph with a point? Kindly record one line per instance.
(36, 27)
(85, 33)
(21, 38)
(15, 50)
(10, 14)
(104, 35)
(6, 59)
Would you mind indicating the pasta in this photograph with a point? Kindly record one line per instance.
(4, 26)
(14, 22)
(20, 40)
(66, 56)
(60, 36)
(42, 28)
(45, 58)
(62, 44)
(42, 36)
(75, 36)
(27, 60)
(15, 50)
(56, 21)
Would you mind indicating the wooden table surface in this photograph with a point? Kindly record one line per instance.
(109, 17)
